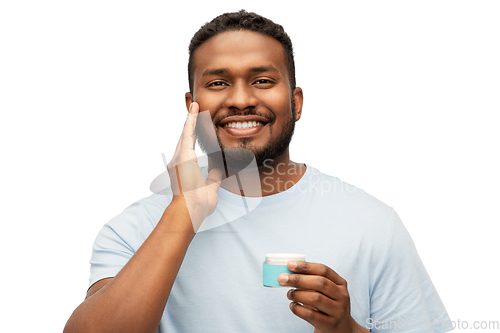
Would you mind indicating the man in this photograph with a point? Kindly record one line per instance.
(157, 266)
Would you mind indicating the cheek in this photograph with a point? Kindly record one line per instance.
(277, 100)
(209, 102)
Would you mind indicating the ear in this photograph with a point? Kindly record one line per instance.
(189, 100)
(299, 100)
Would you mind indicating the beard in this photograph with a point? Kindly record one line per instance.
(240, 157)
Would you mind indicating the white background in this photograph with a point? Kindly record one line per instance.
(400, 99)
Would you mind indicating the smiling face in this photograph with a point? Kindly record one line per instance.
(242, 79)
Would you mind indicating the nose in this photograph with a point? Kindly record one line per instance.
(240, 96)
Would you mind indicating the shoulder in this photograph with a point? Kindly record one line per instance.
(134, 224)
(342, 193)
(349, 208)
(146, 207)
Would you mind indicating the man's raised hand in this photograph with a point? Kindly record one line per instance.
(186, 179)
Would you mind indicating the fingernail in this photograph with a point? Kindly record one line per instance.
(283, 278)
(190, 106)
(292, 264)
(289, 294)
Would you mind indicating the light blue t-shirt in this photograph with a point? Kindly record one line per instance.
(219, 285)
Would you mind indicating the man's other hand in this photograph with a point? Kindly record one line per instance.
(323, 295)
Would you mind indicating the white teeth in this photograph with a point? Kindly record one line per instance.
(244, 124)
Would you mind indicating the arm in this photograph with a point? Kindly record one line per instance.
(134, 300)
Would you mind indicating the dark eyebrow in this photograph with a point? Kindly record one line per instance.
(263, 69)
(214, 72)
(219, 71)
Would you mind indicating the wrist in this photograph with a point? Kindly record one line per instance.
(176, 217)
(357, 328)
(189, 209)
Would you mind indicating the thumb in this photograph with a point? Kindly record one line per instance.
(214, 179)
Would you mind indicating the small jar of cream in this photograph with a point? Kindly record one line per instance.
(275, 265)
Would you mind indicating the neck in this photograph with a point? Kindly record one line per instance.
(273, 177)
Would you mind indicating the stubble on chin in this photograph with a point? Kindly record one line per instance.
(234, 159)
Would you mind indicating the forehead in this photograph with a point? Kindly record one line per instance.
(238, 51)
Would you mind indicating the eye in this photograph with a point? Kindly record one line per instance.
(264, 81)
(263, 84)
(217, 84)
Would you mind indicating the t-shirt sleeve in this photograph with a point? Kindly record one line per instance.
(117, 242)
(403, 298)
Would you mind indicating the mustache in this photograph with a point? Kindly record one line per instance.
(220, 118)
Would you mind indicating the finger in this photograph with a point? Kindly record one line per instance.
(311, 268)
(313, 282)
(291, 295)
(188, 137)
(318, 319)
(178, 147)
(309, 307)
(188, 129)
(313, 300)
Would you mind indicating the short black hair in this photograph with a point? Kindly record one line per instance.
(242, 20)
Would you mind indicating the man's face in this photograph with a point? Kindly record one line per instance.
(242, 79)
